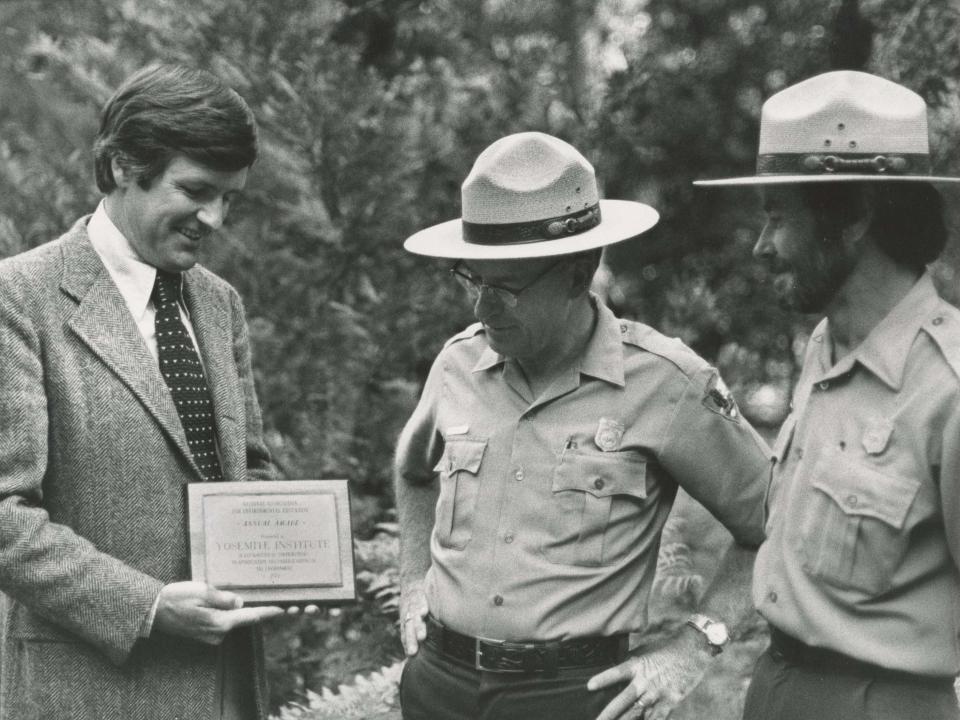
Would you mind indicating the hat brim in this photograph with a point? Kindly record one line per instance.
(809, 179)
(620, 220)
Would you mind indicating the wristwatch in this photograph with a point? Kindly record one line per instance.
(715, 632)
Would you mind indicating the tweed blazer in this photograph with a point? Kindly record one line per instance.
(93, 468)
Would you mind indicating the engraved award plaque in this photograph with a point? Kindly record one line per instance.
(273, 543)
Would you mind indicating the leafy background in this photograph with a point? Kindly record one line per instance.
(371, 112)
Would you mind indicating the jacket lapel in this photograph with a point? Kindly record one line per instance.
(212, 325)
(103, 322)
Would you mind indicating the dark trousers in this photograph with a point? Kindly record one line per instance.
(784, 690)
(434, 687)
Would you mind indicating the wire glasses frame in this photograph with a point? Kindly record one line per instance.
(475, 284)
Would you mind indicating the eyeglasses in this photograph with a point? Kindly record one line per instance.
(475, 285)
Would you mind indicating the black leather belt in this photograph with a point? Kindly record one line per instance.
(525, 657)
(821, 659)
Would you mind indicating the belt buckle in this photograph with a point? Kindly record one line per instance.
(478, 656)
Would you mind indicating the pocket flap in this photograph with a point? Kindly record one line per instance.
(602, 474)
(865, 491)
(462, 454)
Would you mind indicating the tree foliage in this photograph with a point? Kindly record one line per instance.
(371, 112)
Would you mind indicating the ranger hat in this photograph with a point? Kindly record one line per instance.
(841, 126)
(531, 195)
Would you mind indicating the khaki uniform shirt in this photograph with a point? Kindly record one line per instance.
(864, 506)
(550, 509)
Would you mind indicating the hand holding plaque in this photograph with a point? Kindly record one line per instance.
(279, 543)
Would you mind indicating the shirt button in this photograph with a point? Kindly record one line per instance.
(598, 483)
(937, 320)
(497, 600)
(508, 538)
(518, 475)
(852, 500)
(823, 385)
(623, 327)
(772, 596)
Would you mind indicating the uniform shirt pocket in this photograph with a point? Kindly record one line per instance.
(459, 468)
(853, 531)
(596, 500)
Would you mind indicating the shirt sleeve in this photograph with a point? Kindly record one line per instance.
(421, 443)
(147, 627)
(717, 457)
(950, 483)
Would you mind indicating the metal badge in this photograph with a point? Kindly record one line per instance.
(876, 436)
(609, 435)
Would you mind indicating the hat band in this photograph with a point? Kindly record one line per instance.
(529, 232)
(847, 163)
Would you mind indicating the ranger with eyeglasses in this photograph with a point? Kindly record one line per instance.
(536, 474)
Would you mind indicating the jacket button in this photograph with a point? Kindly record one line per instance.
(518, 475)
(772, 596)
(824, 385)
(852, 500)
(497, 600)
(598, 483)
(937, 320)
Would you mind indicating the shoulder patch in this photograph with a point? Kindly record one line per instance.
(718, 398)
(466, 334)
(944, 328)
(671, 349)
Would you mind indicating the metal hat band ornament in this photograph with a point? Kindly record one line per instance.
(531, 195)
(525, 232)
(842, 126)
(849, 163)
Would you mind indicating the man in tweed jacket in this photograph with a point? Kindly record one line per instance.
(101, 621)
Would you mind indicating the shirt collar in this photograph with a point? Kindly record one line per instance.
(884, 351)
(133, 277)
(602, 358)
(489, 358)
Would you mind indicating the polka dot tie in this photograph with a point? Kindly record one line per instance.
(181, 368)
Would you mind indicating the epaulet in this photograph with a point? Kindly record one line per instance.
(671, 349)
(466, 334)
(944, 328)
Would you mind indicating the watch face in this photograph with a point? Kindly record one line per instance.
(717, 634)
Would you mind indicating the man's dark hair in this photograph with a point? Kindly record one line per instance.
(165, 110)
(907, 223)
